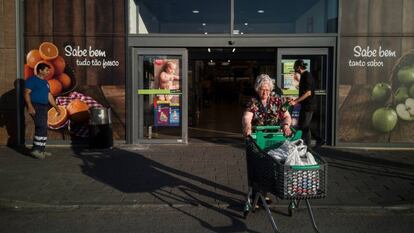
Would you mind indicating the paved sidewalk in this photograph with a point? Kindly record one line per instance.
(199, 173)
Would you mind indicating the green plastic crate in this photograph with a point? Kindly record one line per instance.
(268, 137)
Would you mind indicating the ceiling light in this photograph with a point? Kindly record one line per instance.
(234, 50)
(204, 24)
(245, 24)
(209, 50)
(258, 11)
(196, 11)
(205, 33)
(211, 63)
(228, 61)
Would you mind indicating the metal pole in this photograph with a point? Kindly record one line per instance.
(231, 18)
(269, 214)
(312, 218)
(20, 140)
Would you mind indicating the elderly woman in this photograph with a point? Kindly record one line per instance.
(266, 108)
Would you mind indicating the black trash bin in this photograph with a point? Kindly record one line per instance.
(100, 128)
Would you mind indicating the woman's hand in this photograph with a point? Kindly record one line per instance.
(247, 123)
(286, 130)
(247, 131)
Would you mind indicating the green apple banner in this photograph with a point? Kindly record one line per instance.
(376, 90)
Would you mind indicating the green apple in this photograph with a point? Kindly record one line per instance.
(406, 110)
(381, 92)
(401, 94)
(384, 119)
(411, 91)
(406, 75)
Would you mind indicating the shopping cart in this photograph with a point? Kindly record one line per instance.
(267, 175)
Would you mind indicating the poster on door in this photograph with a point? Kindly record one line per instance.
(166, 114)
(167, 111)
(290, 78)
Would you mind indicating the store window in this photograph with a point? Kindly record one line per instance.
(281, 16)
(179, 16)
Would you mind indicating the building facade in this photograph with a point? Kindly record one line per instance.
(173, 71)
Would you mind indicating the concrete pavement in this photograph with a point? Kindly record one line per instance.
(200, 174)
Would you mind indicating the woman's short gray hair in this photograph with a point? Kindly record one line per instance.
(263, 79)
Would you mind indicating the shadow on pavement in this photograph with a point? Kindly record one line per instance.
(8, 103)
(236, 142)
(131, 172)
(21, 150)
(377, 163)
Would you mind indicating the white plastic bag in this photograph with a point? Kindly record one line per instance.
(282, 152)
(278, 154)
(299, 154)
(288, 148)
(308, 159)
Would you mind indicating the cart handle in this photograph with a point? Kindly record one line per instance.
(266, 127)
(305, 167)
(261, 134)
(276, 128)
(271, 127)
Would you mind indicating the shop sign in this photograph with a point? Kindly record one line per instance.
(89, 56)
(370, 57)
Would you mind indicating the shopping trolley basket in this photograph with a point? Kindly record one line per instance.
(267, 175)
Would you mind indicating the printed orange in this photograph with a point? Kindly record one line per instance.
(55, 87)
(28, 72)
(51, 69)
(64, 79)
(33, 57)
(54, 119)
(59, 64)
(48, 51)
(78, 111)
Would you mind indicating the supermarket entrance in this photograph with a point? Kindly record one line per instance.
(220, 82)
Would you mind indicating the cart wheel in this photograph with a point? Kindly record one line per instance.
(290, 212)
(291, 208)
(247, 208)
(245, 214)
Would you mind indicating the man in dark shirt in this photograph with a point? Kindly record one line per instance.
(307, 100)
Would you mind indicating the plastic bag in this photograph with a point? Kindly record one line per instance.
(288, 148)
(308, 159)
(299, 155)
(282, 152)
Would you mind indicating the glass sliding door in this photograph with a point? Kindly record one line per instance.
(318, 64)
(159, 109)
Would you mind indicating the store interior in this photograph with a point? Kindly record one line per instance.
(220, 82)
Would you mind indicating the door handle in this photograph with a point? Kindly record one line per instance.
(158, 92)
(320, 92)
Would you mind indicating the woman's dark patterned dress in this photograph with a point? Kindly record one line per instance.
(271, 114)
